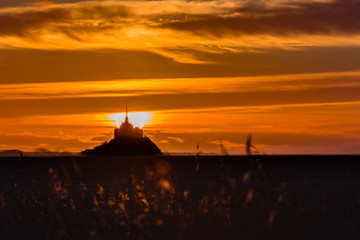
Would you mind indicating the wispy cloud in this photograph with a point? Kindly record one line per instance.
(31, 142)
(176, 139)
(336, 17)
(266, 142)
(152, 25)
(143, 87)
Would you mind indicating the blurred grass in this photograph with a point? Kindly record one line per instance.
(227, 197)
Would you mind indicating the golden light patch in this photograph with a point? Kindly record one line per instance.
(138, 119)
(165, 184)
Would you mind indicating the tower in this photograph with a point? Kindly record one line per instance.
(126, 117)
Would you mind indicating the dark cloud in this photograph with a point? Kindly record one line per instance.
(54, 142)
(30, 107)
(61, 19)
(338, 17)
(18, 3)
(104, 137)
(341, 16)
(30, 66)
(259, 138)
(14, 23)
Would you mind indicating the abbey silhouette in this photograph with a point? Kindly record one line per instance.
(128, 140)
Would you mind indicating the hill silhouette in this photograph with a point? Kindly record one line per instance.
(11, 153)
(128, 140)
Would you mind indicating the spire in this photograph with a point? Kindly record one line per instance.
(126, 117)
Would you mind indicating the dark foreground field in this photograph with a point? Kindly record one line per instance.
(168, 197)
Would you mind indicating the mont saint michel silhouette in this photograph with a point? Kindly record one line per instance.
(128, 140)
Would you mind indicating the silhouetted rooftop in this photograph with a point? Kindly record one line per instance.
(128, 140)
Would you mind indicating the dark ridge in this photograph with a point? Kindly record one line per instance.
(10, 153)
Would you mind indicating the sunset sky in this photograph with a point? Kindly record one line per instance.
(209, 71)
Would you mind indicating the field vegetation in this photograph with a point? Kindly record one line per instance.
(188, 197)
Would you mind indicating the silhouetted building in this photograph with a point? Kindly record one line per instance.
(126, 129)
(128, 140)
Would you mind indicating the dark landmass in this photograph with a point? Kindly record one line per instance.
(180, 197)
(128, 141)
(125, 147)
(11, 153)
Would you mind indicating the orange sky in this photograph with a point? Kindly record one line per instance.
(288, 72)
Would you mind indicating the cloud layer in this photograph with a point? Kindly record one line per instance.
(338, 17)
(153, 25)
